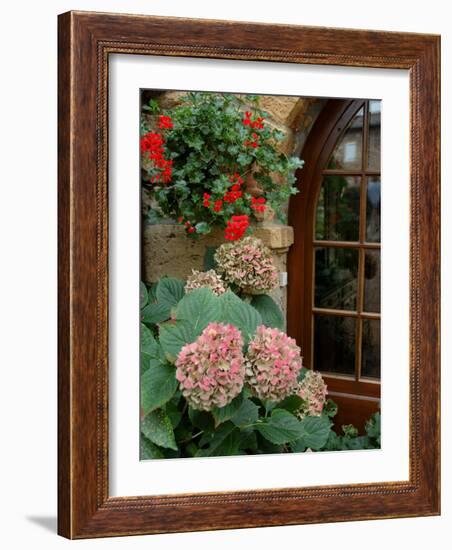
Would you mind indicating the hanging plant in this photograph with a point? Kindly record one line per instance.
(208, 162)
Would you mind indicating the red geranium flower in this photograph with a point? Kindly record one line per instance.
(258, 204)
(236, 227)
(165, 122)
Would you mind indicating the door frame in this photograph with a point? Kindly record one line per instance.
(361, 397)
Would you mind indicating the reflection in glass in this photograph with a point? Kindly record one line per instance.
(372, 282)
(334, 344)
(347, 153)
(336, 272)
(370, 366)
(373, 210)
(374, 135)
(337, 217)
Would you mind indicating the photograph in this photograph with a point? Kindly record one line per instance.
(260, 274)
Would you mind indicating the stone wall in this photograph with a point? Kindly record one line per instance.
(167, 250)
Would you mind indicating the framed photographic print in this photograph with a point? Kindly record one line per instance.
(248, 275)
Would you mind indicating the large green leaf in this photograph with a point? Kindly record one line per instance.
(269, 310)
(225, 442)
(155, 313)
(170, 291)
(282, 427)
(316, 430)
(143, 295)
(173, 336)
(156, 426)
(240, 314)
(151, 351)
(148, 449)
(248, 413)
(291, 403)
(200, 307)
(158, 384)
(226, 413)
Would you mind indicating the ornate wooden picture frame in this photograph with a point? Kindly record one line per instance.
(86, 40)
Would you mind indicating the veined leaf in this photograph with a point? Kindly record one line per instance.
(248, 413)
(225, 442)
(227, 412)
(316, 430)
(173, 336)
(240, 314)
(170, 291)
(269, 310)
(148, 449)
(158, 384)
(156, 426)
(155, 313)
(282, 427)
(144, 298)
(200, 307)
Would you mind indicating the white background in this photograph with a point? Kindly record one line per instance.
(28, 271)
(128, 476)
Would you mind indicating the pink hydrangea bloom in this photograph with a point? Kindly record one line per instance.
(272, 364)
(211, 370)
(313, 390)
(205, 279)
(248, 264)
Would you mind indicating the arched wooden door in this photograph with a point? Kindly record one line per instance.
(334, 264)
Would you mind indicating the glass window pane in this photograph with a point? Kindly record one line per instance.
(337, 217)
(370, 366)
(372, 281)
(348, 152)
(374, 135)
(334, 344)
(336, 272)
(373, 210)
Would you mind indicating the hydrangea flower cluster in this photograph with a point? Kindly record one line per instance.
(272, 364)
(313, 390)
(247, 264)
(205, 279)
(211, 370)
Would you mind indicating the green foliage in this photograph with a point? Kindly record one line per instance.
(174, 336)
(351, 440)
(157, 427)
(170, 428)
(169, 291)
(281, 427)
(269, 310)
(158, 385)
(207, 144)
(200, 307)
(316, 430)
(148, 449)
(240, 314)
